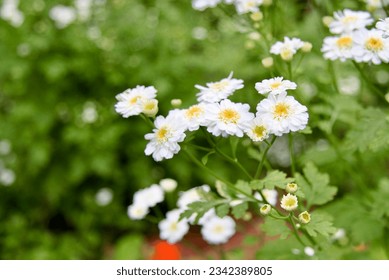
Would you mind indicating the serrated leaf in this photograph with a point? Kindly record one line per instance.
(273, 227)
(274, 178)
(199, 208)
(243, 187)
(239, 210)
(222, 189)
(222, 210)
(320, 224)
(315, 186)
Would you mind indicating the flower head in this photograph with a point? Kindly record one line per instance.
(347, 21)
(340, 47)
(131, 101)
(287, 48)
(291, 187)
(201, 5)
(282, 114)
(150, 196)
(304, 217)
(217, 91)
(194, 116)
(137, 211)
(218, 230)
(274, 86)
(289, 202)
(247, 6)
(258, 130)
(372, 46)
(228, 118)
(168, 184)
(265, 209)
(383, 25)
(171, 228)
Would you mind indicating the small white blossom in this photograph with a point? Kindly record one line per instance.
(201, 5)
(247, 6)
(9, 11)
(383, 25)
(168, 184)
(166, 135)
(83, 8)
(258, 130)
(304, 217)
(218, 230)
(372, 46)
(289, 202)
(130, 102)
(150, 196)
(194, 116)
(287, 48)
(104, 197)
(7, 177)
(171, 229)
(340, 47)
(347, 21)
(228, 118)
(137, 211)
(275, 85)
(217, 91)
(62, 15)
(282, 114)
(191, 195)
(309, 251)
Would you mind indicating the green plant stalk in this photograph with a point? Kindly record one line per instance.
(148, 121)
(260, 165)
(333, 76)
(295, 230)
(290, 72)
(292, 155)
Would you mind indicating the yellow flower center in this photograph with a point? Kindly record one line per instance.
(275, 85)
(374, 44)
(193, 112)
(218, 229)
(134, 100)
(344, 42)
(349, 19)
(290, 202)
(286, 54)
(259, 131)
(281, 110)
(173, 226)
(162, 134)
(219, 86)
(305, 216)
(229, 116)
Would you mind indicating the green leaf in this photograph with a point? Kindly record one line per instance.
(200, 208)
(239, 210)
(273, 227)
(129, 247)
(274, 178)
(320, 223)
(222, 189)
(222, 210)
(315, 185)
(244, 187)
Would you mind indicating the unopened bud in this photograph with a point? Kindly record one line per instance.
(176, 103)
(265, 209)
(307, 47)
(256, 16)
(304, 217)
(150, 107)
(267, 62)
(291, 187)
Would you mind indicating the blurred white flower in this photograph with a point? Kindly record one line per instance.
(168, 184)
(217, 91)
(347, 21)
(9, 11)
(5, 147)
(201, 5)
(191, 195)
(309, 251)
(383, 25)
(247, 6)
(149, 197)
(372, 46)
(270, 196)
(137, 211)
(282, 114)
(7, 177)
(83, 8)
(171, 229)
(130, 101)
(349, 85)
(89, 113)
(287, 48)
(218, 230)
(275, 85)
(340, 47)
(104, 197)
(228, 118)
(62, 15)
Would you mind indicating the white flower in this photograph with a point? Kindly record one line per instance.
(171, 229)
(149, 107)
(137, 211)
(375, 4)
(83, 8)
(217, 91)
(304, 217)
(201, 5)
(218, 230)
(287, 48)
(150, 196)
(168, 184)
(62, 15)
(270, 196)
(247, 6)
(372, 46)
(166, 135)
(7, 177)
(228, 118)
(340, 47)
(194, 116)
(258, 130)
(383, 25)
(347, 21)
(289, 202)
(131, 101)
(207, 216)
(282, 114)
(104, 197)
(9, 11)
(309, 251)
(274, 86)
(191, 195)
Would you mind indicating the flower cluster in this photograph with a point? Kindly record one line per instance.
(354, 41)
(289, 47)
(241, 6)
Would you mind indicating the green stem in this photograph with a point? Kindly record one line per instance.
(333, 76)
(290, 72)
(295, 230)
(233, 161)
(292, 155)
(147, 120)
(260, 166)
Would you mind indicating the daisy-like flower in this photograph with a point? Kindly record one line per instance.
(340, 47)
(257, 131)
(228, 118)
(218, 230)
(247, 6)
(130, 102)
(194, 116)
(166, 135)
(149, 107)
(289, 202)
(172, 229)
(282, 114)
(270, 196)
(287, 48)
(372, 46)
(201, 5)
(275, 85)
(383, 25)
(150, 196)
(217, 91)
(137, 211)
(347, 21)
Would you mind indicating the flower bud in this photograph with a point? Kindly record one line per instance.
(307, 47)
(265, 209)
(291, 187)
(267, 62)
(304, 217)
(256, 16)
(176, 103)
(150, 107)
(327, 20)
(287, 54)
(168, 185)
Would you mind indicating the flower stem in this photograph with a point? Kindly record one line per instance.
(292, 155)
(260, 166)
(295, 230)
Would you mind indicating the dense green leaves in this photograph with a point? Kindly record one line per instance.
(320, 223)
